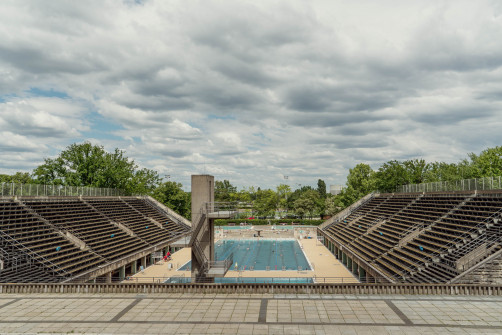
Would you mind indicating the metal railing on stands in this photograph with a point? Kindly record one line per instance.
(476, 184)
(26, 190)
(177, 279)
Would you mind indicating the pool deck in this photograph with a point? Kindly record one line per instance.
(324, 265)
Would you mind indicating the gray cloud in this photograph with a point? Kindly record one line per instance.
(252, 91)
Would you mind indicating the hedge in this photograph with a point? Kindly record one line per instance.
(260, 222)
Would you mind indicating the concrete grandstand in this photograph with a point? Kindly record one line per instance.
(60, 239)
(426, 262)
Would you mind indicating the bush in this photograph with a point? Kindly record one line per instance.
(259, 222)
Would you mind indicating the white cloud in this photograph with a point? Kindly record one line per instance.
(250, 90)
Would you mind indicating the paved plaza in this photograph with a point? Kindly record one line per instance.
(248, 314)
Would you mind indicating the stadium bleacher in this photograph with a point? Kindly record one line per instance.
(52, 239)
(422, 237)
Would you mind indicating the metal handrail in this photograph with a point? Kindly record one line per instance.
(416, 264)
(171, 217)
(361, 259)
(45, 261)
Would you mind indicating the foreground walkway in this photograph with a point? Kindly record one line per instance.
(249, 314)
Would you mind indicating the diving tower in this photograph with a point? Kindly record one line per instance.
(204, 212)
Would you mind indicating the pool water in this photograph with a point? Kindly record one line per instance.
(182, 280)
(263, 254)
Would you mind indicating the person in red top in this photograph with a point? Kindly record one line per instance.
(165, 258)
(168, 255)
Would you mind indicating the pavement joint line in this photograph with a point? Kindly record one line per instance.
(262, 316)
(125, 310)
(398, 312)
(10, 302)
(415, 325)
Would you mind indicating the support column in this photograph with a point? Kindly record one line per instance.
(109, 277)
(362, 275)
(202, 195)
(122, 273)
(143, 262)
(134, 267)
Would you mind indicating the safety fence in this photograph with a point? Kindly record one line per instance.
(252, 288)
(24, 190)
(476, 184)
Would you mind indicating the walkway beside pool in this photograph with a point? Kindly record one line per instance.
(323, 262)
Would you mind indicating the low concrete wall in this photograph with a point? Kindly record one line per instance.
(353, 289)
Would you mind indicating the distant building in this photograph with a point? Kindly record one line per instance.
(335, 189)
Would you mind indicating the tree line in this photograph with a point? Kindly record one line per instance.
(91, 165)
(362, 180)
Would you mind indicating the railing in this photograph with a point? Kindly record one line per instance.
(225, 264)
(32, 254)
(244, 280)
(15, 189)
(171, 215)
(410, 230)
(347, 211)
(479, 184)
(201, 257)
(342, 247)
(472, 245)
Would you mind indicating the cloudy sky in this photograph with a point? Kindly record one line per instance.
(251, 91)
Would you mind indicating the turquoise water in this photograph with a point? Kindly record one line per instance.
(181, 280)
(233, 227)
(258, 227)
(260, 254)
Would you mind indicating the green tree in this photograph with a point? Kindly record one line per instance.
(90, 165)
(224, 191)
(18, 177)
(172, 195)
(321, 188)
(487, 164)
(306, 203)
(266, 202)
(331, 207)
(283, 192)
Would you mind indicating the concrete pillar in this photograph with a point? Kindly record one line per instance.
(143, 262)
(344, 259)
(349, 263)
(202, 194)
(134, 267)
(109, 277)
(122, 273)
(362, 274)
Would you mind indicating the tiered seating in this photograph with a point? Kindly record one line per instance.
(419, 215)
(118, 211)
(467, 223)
(376, 242)
(146, 209)
(418, 237)
(28, 273)
(29, 235)
(89, 225)
(357, 222)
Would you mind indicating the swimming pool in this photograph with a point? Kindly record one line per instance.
(263, 254)
(258, 280)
